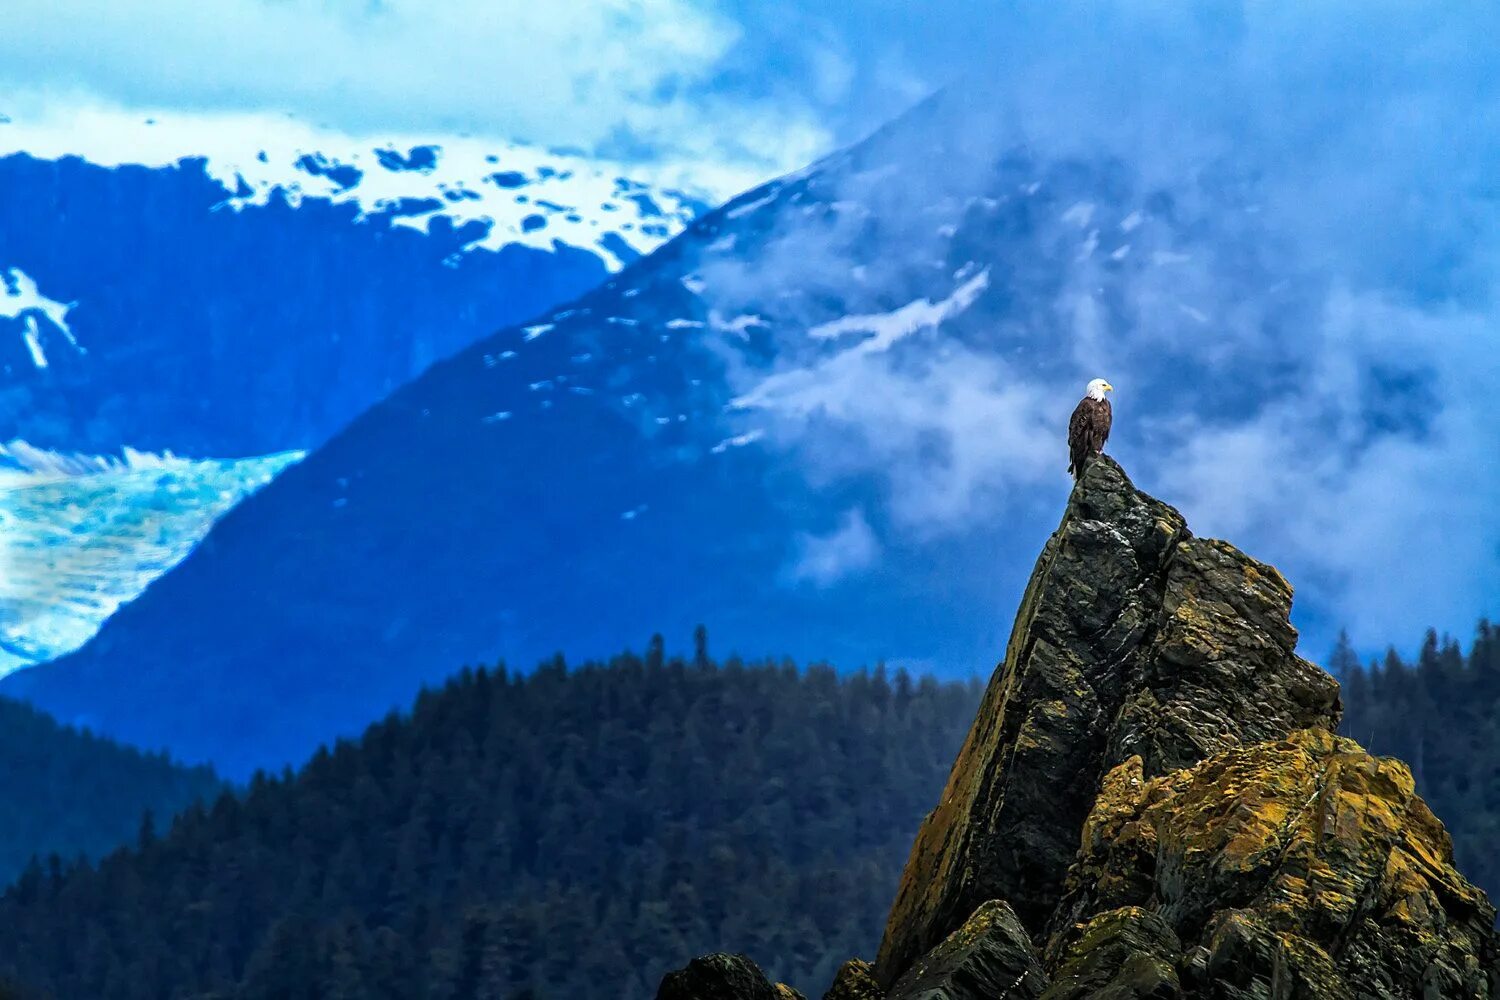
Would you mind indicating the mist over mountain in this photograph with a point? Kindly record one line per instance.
(1269, 229)
(825, 418)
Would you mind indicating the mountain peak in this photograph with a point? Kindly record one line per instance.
(1152, 709)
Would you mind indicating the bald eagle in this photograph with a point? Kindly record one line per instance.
(1089, 427)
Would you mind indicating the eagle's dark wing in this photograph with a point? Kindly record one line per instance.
(1088, 429)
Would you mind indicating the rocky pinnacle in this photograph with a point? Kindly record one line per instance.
(1133, 637)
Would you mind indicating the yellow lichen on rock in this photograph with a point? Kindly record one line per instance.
(1327, 852)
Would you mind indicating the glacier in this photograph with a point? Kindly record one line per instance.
(81, 535)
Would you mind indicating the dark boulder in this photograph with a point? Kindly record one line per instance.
(855, 981)
(989, 956)
(722, 977)
(1125, 954)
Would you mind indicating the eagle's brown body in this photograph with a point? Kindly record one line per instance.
(1087, 431)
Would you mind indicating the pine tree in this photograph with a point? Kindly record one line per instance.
(700, 648)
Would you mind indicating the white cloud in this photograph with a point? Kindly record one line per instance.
(611, 76)
(1381, 530)
(1303, 331)
(823, 560)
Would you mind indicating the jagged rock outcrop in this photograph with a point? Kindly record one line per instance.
(855, 981)
(1304, 863)
(989, 956)
(1133, 637)
(1125, 954)
(723, 977)
(1151, 806)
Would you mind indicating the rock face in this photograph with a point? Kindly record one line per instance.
(1150, 804)
(1305, 863)
(722, 977)
(989, 956)
(855, 981)
(1133, 638)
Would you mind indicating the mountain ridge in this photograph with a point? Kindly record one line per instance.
(71, 794)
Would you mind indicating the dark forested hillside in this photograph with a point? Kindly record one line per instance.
(567, 834)
(1442, 716)
(576, 833)
(66, 792)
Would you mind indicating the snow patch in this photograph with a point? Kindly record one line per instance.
(738, 441)
(739, 326)
(1090, 244)
(888, 328)
(1080, 214)
(23, 301)
(739, 211)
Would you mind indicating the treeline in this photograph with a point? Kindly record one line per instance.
(1441, 715)
(67, 792)
(571, 833)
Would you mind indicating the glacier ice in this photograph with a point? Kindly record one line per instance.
(81, 535)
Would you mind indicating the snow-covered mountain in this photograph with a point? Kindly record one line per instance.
(81, 535)
(826, 420)
(245, 284)
(241, 286)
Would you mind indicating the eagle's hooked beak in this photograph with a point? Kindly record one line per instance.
(1108, 387)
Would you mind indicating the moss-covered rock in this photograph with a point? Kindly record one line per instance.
(855, 981)
(1133, 638)
(990, 955)
(1302, 865)
(1125, 954)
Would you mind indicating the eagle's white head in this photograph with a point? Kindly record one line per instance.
(1097, 388)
